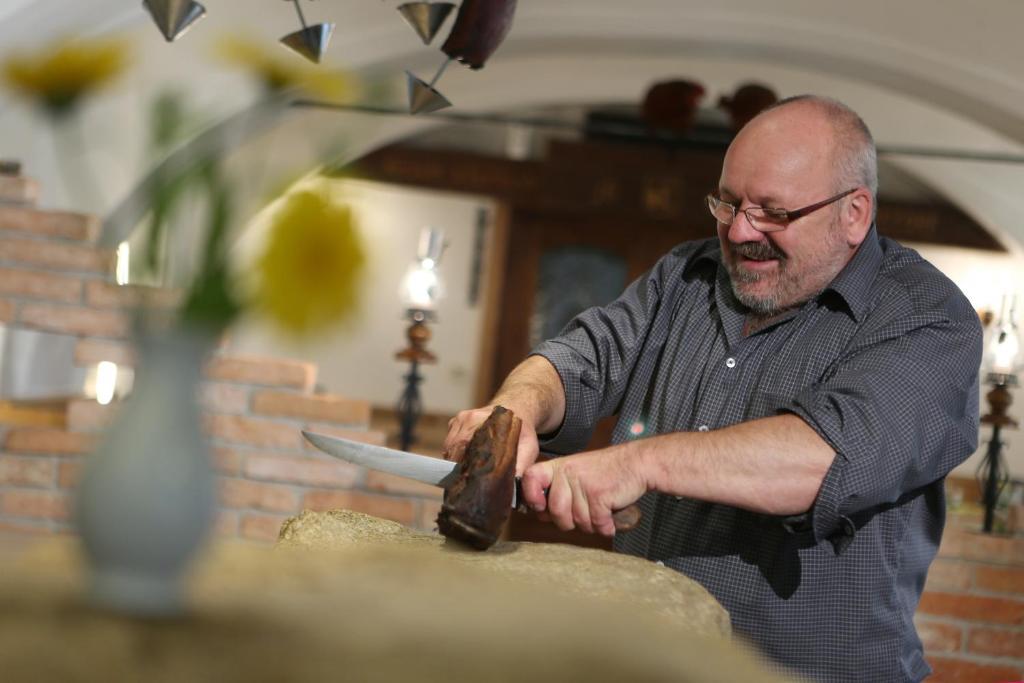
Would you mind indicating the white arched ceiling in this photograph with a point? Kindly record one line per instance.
(965, 58)
(920, 74)
(984, 190)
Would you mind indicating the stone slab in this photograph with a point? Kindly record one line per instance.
(391, 605)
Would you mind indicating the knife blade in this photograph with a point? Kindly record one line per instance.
(434, 471)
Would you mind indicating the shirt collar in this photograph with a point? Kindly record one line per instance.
(854, 281)
(712, 254)
(730, 311)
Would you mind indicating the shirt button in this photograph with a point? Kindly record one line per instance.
(659, 563)
(730, 362)
(703, 428)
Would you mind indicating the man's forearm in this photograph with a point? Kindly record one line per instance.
(773, 466)
(534, 391)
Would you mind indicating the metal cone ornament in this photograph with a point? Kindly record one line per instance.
(426, 17)
(423, 97)
(174, 17)
(309, 41)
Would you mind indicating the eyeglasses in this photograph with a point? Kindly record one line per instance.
(762, 218)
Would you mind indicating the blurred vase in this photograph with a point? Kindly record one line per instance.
(146, 499)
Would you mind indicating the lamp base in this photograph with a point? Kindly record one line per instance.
(418, 334)
(999, 400)
(1001, 378)
(992, 474)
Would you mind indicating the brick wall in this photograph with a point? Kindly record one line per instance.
(254, 409)
(53, 277)
(971, 616)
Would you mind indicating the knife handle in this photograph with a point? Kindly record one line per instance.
(627, 518)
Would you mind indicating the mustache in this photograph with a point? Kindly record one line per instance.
(758, 250)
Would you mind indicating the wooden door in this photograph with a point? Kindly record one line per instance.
(604, 254)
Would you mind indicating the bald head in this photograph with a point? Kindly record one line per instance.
(854, 158)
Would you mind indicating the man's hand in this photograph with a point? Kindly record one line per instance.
(462, 427)
(584, 489)
(533, 392)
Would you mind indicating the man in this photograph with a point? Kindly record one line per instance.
(790, 398)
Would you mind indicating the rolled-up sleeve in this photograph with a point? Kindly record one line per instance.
(900, 411)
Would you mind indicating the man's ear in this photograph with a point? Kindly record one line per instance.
(857, 216)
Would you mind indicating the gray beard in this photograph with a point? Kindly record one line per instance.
(766, 306)
(787, 294)
(758, 305)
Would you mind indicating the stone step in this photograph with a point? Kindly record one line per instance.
(15, 189)
(64, 225)
(314, 407)
(58, 441)
(19, 251)
(40, 284)
(92, 351)
(73, 320)
(33, 413)
(103, 294)
(262, 370)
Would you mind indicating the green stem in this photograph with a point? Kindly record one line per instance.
(220, 213)
(210, 302)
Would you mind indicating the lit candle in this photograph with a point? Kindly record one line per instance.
(1005, 347)
(421, 288)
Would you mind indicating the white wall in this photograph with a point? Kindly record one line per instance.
(985, 278)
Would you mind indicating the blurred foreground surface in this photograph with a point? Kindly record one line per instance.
(367, 608)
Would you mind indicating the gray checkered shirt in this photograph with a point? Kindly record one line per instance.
(883, 365)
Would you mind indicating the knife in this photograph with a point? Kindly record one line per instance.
(434, 471)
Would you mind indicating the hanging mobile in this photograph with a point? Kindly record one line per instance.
(426, 18)
(309, 41)
(174, 17)
(480, 27)
(423, 97)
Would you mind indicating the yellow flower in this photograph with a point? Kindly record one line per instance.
(306, 278)
(58, 76)
(279, 71)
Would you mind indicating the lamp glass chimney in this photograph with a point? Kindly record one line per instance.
(421, 287)
(1004, 347)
